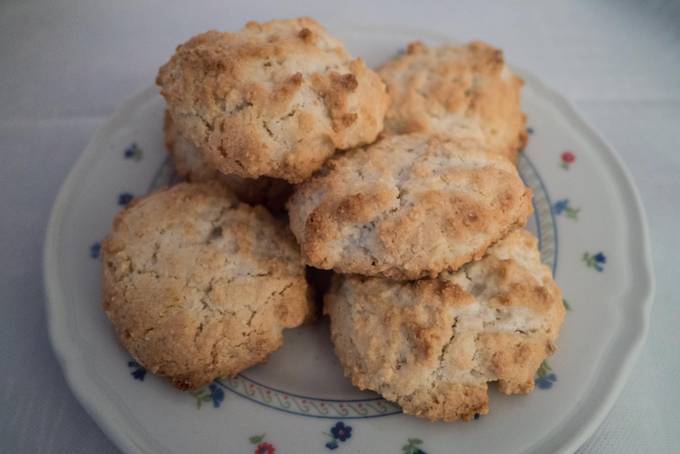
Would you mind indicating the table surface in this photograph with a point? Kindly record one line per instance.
(65, 66)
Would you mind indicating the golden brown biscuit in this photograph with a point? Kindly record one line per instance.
(465, 91)
(190, 165)
(432, 345)
(199, 286)
(408, 207)
(274, 99)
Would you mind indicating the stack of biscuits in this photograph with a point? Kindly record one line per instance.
(402, 181)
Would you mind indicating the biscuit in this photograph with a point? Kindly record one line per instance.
(432, 345)
(407, 207)
(466, 90)
(275, 99)
(199, 286)
(191, 166)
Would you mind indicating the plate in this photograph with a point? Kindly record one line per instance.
(592, 233)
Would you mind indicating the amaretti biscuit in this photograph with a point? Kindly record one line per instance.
(198, 285)
(274, 99)
(433, 345)
(408, 207)
(461, 90)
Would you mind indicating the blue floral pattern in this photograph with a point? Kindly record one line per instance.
(563, 206)
(545, 377)
(595, 261)
(133, 152)
(95, 249)
(340, 433)
(547, 381)
(138, 372)
(124, 198)
(213, 393)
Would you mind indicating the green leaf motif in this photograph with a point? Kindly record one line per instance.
(412, 446)
(256, 439)
(588, 259)
(595, 261)
(567, 306)
(572, 213)
(544, 370)
(202, 395)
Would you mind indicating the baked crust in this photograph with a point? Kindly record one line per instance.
(274, 99)
(191, 166)
(461, 90)
(199, 286)
(408, 207)
(432, 345)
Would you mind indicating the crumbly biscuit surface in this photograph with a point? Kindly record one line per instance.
(465, 90)
(200, 286)
(408, 207)
(433, 345)
(274, 99)
(190, 165)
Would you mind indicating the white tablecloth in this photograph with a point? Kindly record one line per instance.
(65, 66)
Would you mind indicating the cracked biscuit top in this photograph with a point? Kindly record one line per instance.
(461, 90)
(274, 99)
(190, 165)
(199, 286)
(408, 207)
(432, 345)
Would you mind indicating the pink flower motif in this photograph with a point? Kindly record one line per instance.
(568, 157)
(265, 448)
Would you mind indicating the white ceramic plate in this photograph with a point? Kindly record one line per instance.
(592, 232)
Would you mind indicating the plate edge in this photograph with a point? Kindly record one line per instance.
(51, 284)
